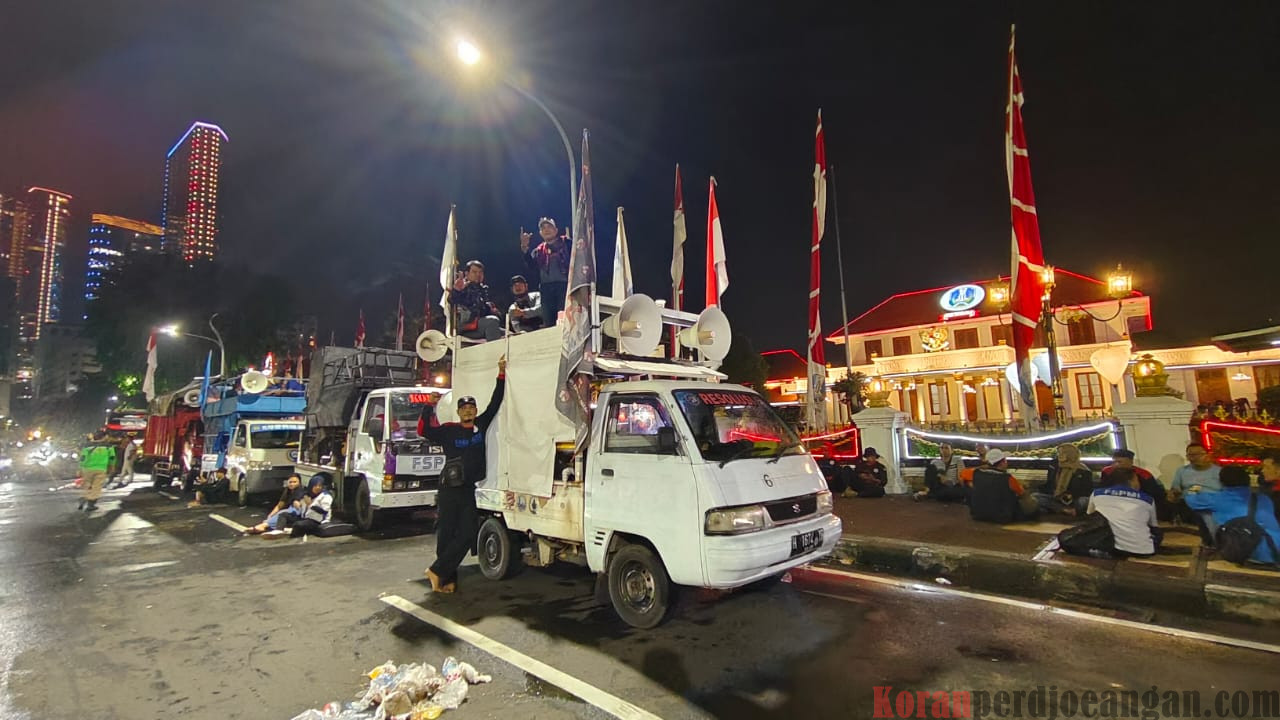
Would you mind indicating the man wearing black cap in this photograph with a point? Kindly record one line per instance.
(1146, 481)
(464, 452)
(525, 314)
(550, 260)
(870, 475)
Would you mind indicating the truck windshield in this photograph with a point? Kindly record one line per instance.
(276, 439)
(406, 408)
(729, 424)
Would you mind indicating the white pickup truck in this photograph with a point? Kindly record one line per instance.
(684, 481)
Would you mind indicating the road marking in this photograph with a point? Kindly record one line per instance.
(1041, 607)
(229, 522)
(611, 704)
(171, 497)
(146, 566)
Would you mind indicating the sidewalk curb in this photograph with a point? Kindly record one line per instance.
(1017, 575)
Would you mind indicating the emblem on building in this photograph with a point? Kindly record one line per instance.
(934, 339)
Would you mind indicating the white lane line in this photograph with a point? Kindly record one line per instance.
(229, 522)
(611, 704)
(1041, 607)
(168, 495)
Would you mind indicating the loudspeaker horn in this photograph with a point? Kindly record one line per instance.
(710, 336)
(637, 326)
(191, 398)
(431, 345)
(254, 382)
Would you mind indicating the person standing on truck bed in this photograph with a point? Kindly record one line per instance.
(478, 316)
(525, 313)
(464, 451)
(549, 259)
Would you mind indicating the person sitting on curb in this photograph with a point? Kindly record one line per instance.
(1232, 502)
(942, 478)
(1129, 511)
(966, 474)
(212, 490)
(289, 508)
(1069, 484)
(997, 496)
(319, 506)
(1200, 472)
(1147, 482)
(869, 475)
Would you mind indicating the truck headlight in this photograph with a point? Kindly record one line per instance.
(825, 503)
(259, 465)
(732, 521)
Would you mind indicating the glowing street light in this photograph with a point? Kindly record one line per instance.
(470, 56)
(173, 330)
(468, 53)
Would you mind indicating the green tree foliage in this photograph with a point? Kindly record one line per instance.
(852, 391)
(744, 365)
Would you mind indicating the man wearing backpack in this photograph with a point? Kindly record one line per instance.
(1246, 520)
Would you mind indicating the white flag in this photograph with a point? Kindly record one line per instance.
(677, 253)
(448, 264)
(622, 285)
(149, 380)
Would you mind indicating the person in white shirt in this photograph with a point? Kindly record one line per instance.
(1130, 512)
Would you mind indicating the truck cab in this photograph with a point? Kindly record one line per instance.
(262, 454)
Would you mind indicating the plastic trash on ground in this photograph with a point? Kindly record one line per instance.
(416, 691)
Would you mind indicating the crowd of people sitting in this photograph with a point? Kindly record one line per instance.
(301, 510)
(1121, 507)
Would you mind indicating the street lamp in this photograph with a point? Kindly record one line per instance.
(470, 56)
(175, 331)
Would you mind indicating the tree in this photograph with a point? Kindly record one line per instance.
(852, 390)
(744, 365)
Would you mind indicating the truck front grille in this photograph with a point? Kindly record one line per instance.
(792, 509)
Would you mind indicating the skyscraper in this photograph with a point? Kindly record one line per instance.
(191, 193)
(40, 291)
(112, 239)
(15, 236)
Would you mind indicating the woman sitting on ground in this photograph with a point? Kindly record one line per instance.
(318, 508)
(1069, 485)
(289, 508)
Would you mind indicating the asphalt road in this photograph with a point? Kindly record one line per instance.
(148, 609)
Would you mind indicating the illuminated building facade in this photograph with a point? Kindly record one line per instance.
(40, 287)
(113, 239)
(191, 173)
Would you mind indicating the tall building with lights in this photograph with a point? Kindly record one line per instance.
(40, 286)
(112, 240)
(191, 173)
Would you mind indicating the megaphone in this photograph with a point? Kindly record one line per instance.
(637, 326)
(710, 336)
(431, 345)
(254, 382)
(191, 398)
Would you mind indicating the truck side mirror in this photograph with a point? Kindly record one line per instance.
(375, 430)
(667, 441)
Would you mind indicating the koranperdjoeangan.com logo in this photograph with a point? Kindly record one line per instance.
(1051, 703)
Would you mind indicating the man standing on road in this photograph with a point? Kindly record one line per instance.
(96, 460)
(550, 260)
(464, 453)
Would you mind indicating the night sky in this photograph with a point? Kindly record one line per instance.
(1151, 128)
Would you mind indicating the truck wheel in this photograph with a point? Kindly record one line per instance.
(366, 516)
(639, 587)
(243, 495)
(498, 551)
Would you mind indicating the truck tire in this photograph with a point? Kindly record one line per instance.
(639, 587)
(498, 551)
(242, 495)
(365, 516)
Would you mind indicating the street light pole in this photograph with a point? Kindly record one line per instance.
(568, 149)
(222, 350)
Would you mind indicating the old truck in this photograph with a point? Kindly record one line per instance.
(233, 410)
(361, 433)
(173, 436)
(682, 479)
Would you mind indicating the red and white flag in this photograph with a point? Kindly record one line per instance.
(400, 324)
(1027, 291)
(817, 386)
(360, 330)
(677, 258)
(149, 380)
(717, 273)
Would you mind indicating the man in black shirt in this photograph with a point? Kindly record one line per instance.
(464, 452)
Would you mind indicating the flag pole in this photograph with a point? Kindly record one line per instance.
(844, 306)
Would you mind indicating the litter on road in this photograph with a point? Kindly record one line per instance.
(416, 691)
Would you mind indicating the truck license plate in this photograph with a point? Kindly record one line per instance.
(806, 542)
